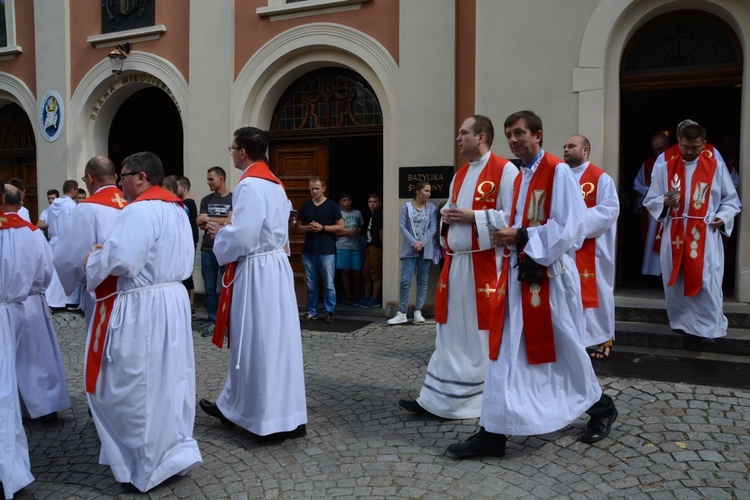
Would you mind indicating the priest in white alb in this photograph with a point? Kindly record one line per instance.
(694, 197)
(140, 365)
(265, 388)
(539, 377)
(25, 269)
(41, 375)
(596, 257)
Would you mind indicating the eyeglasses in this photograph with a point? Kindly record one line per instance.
(128, 173)
(232, 148)
(83, 178)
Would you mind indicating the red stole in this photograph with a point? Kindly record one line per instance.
(692, 267)
(106, 292)
(484, 262)
(586, 256)
(14, 221)
(109, 196)
(535, 300)
(261, 171)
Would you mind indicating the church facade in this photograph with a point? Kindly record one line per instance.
(369, 93)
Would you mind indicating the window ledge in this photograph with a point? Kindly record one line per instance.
(279, 9)
(10, 52)
(132, 36)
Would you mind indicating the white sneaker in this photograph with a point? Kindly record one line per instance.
(418, 318)
(398, 319)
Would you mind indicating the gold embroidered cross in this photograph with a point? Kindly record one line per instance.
(487, 290)
(678, 242)
(118, 200)
(441, 286)
(501, 292)
(586, 274)
(3, 219)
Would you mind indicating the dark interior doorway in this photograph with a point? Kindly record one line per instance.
(356, 165)
(645, 113)
(148, 120)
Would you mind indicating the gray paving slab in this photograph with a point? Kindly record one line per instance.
(670, 441)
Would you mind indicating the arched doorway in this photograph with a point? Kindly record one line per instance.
(18, 153)
(684, 64)
(328, 123)
(148, 120)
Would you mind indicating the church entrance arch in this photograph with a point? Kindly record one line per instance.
(148, 120)
(682, 64)
(328, 123)
(18, 153)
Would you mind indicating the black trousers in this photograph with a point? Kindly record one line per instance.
(602, 408)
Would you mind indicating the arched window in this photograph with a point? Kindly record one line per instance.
(330, 98)
(683, 48)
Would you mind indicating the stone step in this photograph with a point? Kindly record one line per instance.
(658, 335)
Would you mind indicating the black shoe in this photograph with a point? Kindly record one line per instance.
(481, 444)
(329, 318)
(412, 406)
(214, 411)
(300, 431)
(598, 428)
(48, 419)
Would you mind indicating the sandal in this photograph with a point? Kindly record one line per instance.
(601, 352)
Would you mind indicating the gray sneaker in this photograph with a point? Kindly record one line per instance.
(208, 330)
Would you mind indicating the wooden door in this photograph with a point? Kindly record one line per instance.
(23, 167)
(294, 162)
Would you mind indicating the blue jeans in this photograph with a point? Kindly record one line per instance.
(211, 273)
(407, 274)
(326, 266)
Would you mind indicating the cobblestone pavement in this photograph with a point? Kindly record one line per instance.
(670, 441)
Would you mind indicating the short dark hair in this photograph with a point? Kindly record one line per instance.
(218, 171)
(483, 124)
(53, 191)
(13, 196)
(375, 195)
(420, 186)
(317, 178)
(692, 132)
(18, 183)
(148, 163)
(82, 191)
(184, 182)
(170, 183)
(253, 140)
(70, 185)
(345, 194)
(530, 119)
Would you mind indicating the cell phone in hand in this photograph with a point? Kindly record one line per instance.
(672, 192)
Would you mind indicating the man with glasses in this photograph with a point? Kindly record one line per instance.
(216, 207)
(89, 224)
(693, 196)
(140, 365)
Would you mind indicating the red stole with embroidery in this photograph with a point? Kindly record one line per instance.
(221, 328)
(484, 262)
(14, 221)
(535, 300)
(106, 292)
(586, 255)
(692, 266)
(109, 196)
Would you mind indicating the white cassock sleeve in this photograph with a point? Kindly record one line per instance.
(43, 266)
(76, 240)
(499, 217)
(126, 251)
(603, 215)
(565, 228)
(243, 236)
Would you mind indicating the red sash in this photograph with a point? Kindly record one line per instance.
(586, 256)
(106, 292)
(109, 196)
(484, 262)
(692, 268)
(14, 221)
(260, 170)
(535, 304)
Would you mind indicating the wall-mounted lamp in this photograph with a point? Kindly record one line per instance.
(117, 57)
